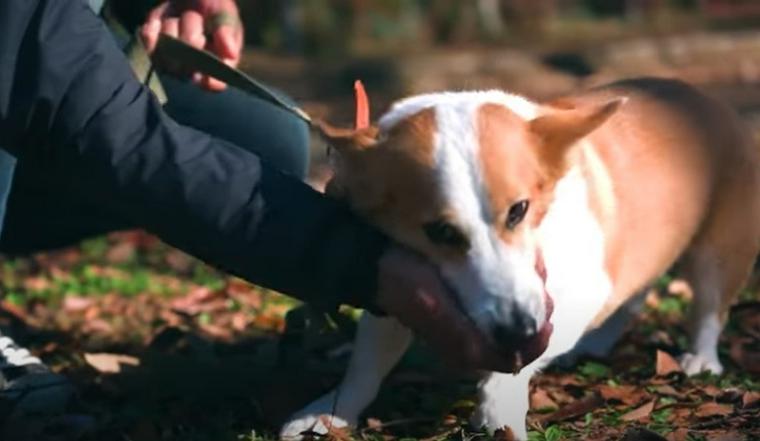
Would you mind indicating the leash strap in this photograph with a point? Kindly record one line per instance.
(179, 52)
(135, 51)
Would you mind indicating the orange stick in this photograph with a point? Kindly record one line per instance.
(362, 106)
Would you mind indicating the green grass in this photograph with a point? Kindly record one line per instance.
(230, 399)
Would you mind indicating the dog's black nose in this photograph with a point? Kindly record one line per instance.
(515, 328)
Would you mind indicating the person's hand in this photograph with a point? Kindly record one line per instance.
(207, 24)
(410, 290)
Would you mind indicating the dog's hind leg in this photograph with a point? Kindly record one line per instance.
(715, 279)
(379, 344)
(717, 266)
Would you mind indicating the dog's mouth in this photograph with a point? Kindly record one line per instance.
(529, 350)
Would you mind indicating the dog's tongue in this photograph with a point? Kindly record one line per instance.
(362, 106)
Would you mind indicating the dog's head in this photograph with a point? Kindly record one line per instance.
(466, 179)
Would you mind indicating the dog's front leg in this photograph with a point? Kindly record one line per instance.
(379, 344)
(504, 402)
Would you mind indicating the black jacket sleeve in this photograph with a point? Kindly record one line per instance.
(68, 99)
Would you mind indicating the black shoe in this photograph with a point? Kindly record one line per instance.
(27, 386)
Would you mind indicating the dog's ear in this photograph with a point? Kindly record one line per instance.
(347, 141)
(562, 126)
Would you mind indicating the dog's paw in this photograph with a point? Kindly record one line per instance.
(321, 424)
(492, 420)
(693, 364)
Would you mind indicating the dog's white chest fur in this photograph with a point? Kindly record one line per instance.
(573, 247)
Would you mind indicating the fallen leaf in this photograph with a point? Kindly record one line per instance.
(450, 420)
(569, 380)
(540, 400)
(668, 391)
(627, 394)
(336, 433)
(14, 310)
(110, 363)
(750, 399)
(179, 261)
(747, 317)
(36, 283)
(666, 364)
(726, 436)
(76, 303)
(742, 354)
(641, 434)
(730, 395)
(652, 299)
(97, 325)
(680, 287)
(680, 434)
(713, 409)
(374, 423)
(640, 412)
(711, 391)
(575, 409)
(121, 252)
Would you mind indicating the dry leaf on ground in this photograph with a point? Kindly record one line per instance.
(640, 412)
(666, 364)
(540, 400)
(627, 394)
(110, 363)
(574, 409)
(680, 434)
(641, 434)
(750, 399)
(713, 409)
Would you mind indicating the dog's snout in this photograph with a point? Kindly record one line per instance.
(517, 326)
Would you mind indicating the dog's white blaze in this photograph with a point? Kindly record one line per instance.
(573, 247)
(521, 106)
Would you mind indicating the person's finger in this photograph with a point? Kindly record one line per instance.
(227, 43)
(212, 84)
(191, 29)
(151, 29)
(170, 26)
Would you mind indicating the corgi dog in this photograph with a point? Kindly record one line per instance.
(546, 220)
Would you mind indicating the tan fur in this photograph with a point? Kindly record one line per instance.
(510, 172)
(390, 181)
(685, 177)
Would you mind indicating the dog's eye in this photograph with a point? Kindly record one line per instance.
(444, 233)
(517, 213)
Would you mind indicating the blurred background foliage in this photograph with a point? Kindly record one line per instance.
(338, 27)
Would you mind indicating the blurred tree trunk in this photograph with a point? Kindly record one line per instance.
(643, 9)
(491, 17)
(291, 18)
(531, 16)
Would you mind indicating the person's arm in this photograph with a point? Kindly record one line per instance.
(68, 98)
